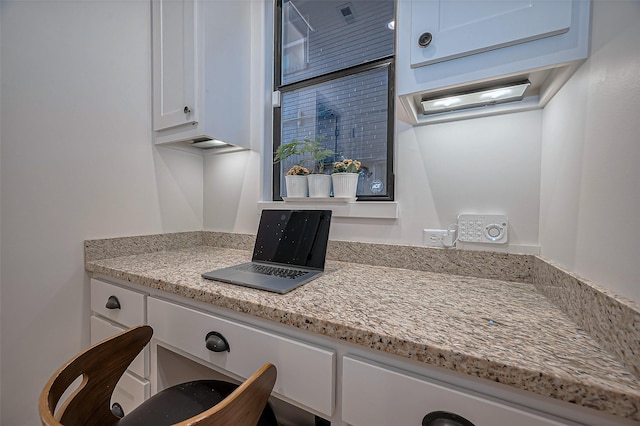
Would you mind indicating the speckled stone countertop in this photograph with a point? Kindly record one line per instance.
(504, 331)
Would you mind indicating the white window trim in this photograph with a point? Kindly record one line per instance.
(361, 209)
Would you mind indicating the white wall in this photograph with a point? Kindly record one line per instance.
(590, 198)
(77, 163)
(489, 165)
(234, 182)
(486, 166)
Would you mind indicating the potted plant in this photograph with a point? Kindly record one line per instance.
(296, 176)
(345, 176)
(308, 151)
(319, 183)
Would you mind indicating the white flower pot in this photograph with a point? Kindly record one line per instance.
(345, 185)
(319, 185)
(296, 185)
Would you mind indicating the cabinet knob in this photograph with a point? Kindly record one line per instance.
(112, 303)
(216, 342)
(443, 418)
(187, 110)
(117, 410)
(425, 39)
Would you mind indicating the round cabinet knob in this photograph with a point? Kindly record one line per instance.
(425, 39)
(443, 418)
(187, 110)
(112, 303)
(117, 410)
(216, 342)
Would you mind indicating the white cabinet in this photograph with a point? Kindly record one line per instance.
(201, 72)
(115, 309)
(452, 29)
(174, 64)
(478, 44)
(306, 373)
(378, 395)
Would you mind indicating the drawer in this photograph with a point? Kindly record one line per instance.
(130, 392)
(305, 372)
(132, 303)
(101, 329)
(375, 395)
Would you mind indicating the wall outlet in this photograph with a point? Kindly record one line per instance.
(434, 237)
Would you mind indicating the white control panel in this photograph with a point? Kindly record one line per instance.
(486, 228)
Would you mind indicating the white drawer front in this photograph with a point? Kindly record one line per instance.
(372, 395)
(131, 310)
(130, 392)
(305, 372)
(101, 329)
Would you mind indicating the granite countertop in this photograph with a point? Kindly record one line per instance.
(504, 331)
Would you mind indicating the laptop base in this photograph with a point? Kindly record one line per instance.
(262, 282)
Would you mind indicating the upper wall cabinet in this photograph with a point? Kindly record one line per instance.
(448, 47)
(201, 65)
(443, 30)
(174, 64)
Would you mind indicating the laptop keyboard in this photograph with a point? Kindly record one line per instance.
(272, 270)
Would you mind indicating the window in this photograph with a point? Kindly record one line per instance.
(334, 69)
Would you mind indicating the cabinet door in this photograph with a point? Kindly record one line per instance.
(101, 329)
(374, 395)
(464, 27)
(174, 30)
(130, 392)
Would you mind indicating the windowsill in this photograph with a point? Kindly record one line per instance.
(360, 209)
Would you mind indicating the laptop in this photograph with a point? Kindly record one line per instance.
(290, 250)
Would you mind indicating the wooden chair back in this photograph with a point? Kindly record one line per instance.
(101, 366)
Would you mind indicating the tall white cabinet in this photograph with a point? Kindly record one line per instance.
(201, 69)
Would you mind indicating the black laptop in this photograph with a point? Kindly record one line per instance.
(290, 250)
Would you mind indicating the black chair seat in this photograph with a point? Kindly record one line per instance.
(183, 401)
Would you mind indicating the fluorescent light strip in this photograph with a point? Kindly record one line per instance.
(492, 96)
(213, 143)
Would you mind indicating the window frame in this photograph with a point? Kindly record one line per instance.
(387, 61)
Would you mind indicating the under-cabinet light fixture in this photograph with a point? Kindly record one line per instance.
(208, 143)
(483, 97)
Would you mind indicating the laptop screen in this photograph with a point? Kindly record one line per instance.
(293, 237)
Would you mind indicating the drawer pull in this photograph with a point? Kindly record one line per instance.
(112, 303)
(117, 410)
(216, 342)
(444, 418)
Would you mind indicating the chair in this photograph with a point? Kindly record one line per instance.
(102, 365)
